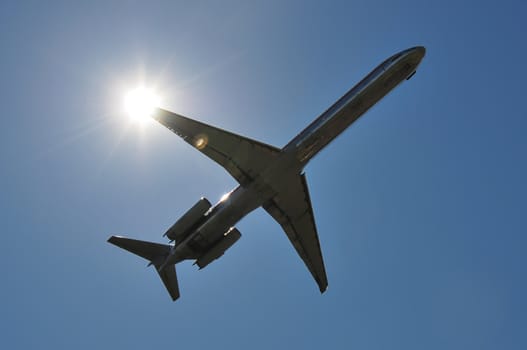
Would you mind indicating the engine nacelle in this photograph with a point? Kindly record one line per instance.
(219, 248)
(183, 227)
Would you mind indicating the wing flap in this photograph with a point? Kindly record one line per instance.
(292, 210)
(242, 157)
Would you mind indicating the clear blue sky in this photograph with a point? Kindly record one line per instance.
(420, 205)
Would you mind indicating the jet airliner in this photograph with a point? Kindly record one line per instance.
(268, 177)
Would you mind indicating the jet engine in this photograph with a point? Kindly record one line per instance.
(192, 218)
(228, 239)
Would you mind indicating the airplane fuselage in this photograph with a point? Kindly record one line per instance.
(297, 153)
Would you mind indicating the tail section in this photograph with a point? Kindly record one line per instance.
(155, 253)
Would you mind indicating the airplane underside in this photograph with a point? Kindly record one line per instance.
(268, 177)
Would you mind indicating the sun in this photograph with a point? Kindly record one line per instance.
(140, 103)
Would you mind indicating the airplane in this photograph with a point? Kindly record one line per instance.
(268, 177)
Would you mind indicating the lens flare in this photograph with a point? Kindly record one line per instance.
(201, 141)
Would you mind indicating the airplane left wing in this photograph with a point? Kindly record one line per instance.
(292, 209)
(242, 157)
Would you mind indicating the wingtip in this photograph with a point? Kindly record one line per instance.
(113, 239)
(158, 113)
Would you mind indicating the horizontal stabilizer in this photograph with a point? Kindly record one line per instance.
(156, 253)
(169, 278)
(148, 250)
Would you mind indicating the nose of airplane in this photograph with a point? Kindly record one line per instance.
(415, 54)
(413, 57)
(420, 50)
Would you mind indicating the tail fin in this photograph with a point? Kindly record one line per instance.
(156, 253)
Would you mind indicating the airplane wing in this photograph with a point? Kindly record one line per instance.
(292, 210)
(242, 157)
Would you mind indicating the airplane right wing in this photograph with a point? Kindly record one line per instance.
(242, 157)
(292, 210)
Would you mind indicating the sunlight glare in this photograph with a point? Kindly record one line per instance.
(140, 104)
(225, 196)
